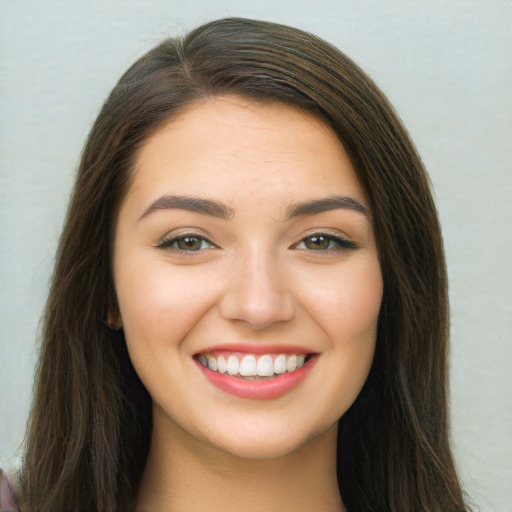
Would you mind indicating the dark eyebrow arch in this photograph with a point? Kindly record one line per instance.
(193, 204)
(326, 204)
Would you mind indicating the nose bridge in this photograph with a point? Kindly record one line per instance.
(257, 292)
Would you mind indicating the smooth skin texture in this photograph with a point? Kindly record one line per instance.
(250, 271)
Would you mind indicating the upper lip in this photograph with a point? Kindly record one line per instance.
(256, 348)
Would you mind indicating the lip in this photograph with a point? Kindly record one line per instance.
(248, 348)
(258, 389)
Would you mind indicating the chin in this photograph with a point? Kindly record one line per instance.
(267, 443)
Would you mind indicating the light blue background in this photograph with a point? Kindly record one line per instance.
(446, 66)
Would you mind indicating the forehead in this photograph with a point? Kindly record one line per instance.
(227, 147)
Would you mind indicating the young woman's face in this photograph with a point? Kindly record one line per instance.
(247, 277)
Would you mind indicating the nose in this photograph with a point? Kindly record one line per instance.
(258, 293)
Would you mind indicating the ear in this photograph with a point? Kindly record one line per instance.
(114, 320)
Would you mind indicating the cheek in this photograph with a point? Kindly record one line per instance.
(348, 314)
(159, 307)
(159, 304)
(347, 303)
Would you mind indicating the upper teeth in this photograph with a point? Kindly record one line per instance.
(249, 365)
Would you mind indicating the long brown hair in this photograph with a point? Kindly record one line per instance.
(90, 426)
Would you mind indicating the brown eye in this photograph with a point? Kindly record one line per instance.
(318, 243)
(186, 243)
(189, 243)
(324, 242)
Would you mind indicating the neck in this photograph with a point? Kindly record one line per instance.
(187, 475)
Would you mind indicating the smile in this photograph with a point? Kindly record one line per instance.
(254, 374)
(253, 366)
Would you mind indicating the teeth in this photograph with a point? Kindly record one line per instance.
(248, 366)
(265, 366)
(280, 364)
(222, 366)
(233, 365)
(212, 363)
(291, 364)
(251, 367)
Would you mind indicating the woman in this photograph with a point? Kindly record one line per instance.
(249, 305)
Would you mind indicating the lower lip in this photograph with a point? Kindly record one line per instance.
(257, 389)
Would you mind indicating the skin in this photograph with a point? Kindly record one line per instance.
(256, 278)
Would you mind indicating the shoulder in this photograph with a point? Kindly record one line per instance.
(8, 501)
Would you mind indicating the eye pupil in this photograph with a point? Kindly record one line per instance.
(317, 242)
(189, 243)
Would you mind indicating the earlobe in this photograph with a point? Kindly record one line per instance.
(114, 321)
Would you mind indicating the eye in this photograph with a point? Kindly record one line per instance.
(324, 242)
(187, 243)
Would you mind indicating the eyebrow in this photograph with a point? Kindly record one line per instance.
(326, 204)
(222, 211)
(193, 204)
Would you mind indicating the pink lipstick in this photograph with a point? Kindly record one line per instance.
(255, 371)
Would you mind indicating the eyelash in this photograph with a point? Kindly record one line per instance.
(171, 243)
(334, 243)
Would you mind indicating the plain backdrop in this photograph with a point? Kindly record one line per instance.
(446, 66)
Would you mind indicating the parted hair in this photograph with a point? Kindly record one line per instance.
(90, 425)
